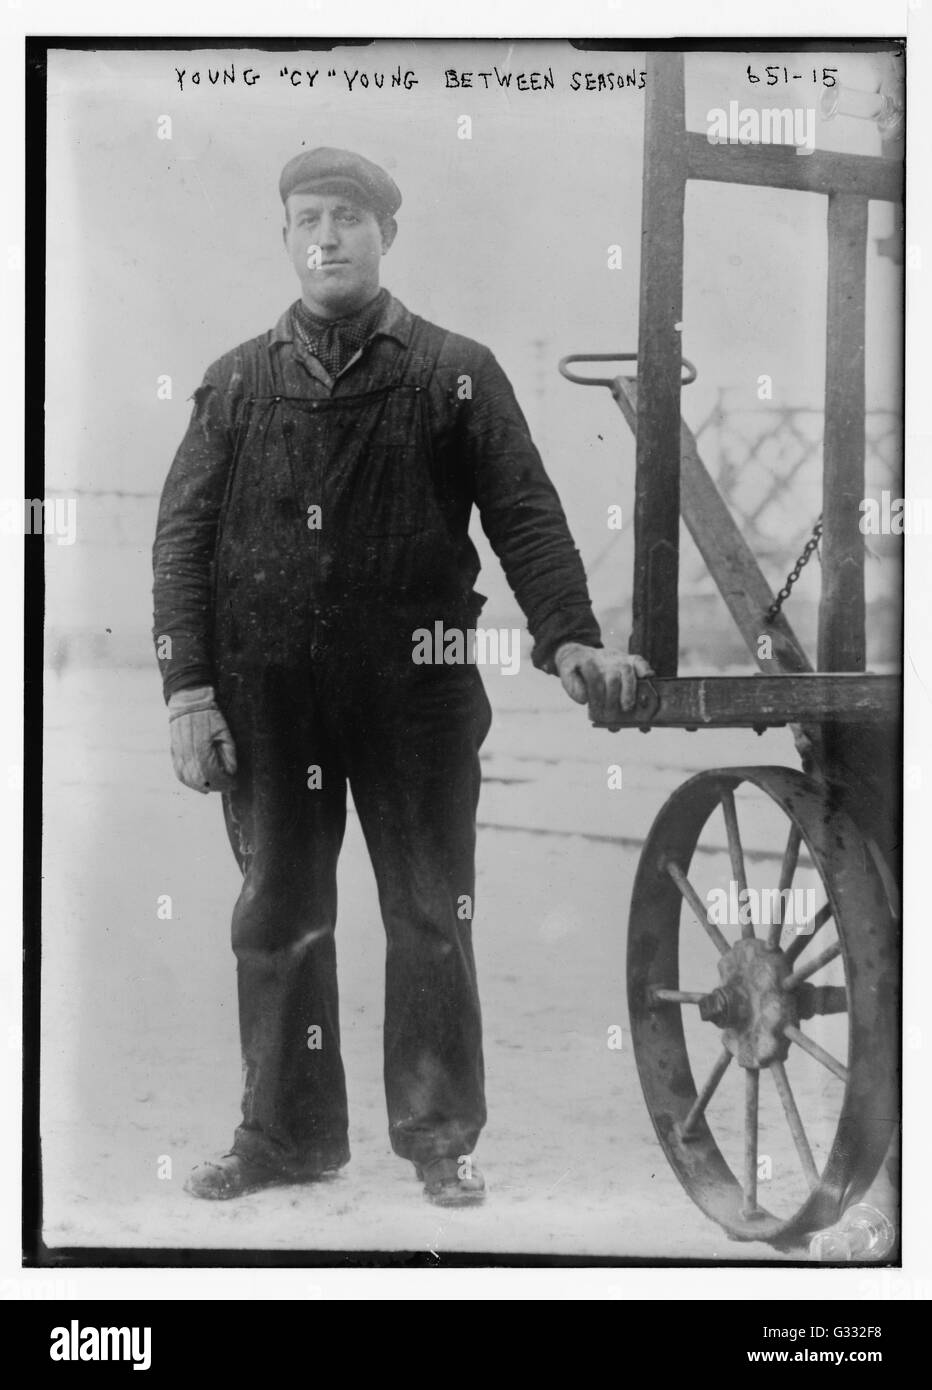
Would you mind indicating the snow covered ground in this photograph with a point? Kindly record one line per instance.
(140, 1063)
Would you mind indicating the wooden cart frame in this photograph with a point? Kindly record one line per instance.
(843, 808)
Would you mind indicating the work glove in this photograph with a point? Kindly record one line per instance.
(203, 754)
(604, 678)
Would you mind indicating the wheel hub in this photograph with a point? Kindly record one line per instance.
(751, 1006)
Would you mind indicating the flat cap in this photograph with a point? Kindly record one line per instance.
(314, 171)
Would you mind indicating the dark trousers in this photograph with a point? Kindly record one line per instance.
(407, 740)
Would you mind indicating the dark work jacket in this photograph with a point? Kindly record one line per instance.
(298, 506)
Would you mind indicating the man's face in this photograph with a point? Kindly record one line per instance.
(335, 245)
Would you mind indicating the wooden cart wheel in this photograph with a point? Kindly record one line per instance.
(812, 1002)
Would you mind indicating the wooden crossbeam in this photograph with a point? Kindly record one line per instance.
(710, 702)
(779, 166)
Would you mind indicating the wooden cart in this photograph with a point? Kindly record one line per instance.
(765, 994)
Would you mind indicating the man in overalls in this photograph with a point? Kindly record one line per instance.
(315, 516)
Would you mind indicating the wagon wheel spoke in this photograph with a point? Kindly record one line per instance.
(793, 1119)
(736, 853)
(697, 905)
(819, 1053)
(659, 995)
(787, 872)
(818, 1000)
(829, 954)
(697, 1109)
(751, 1096)
(796, 948)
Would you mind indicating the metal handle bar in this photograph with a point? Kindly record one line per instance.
(611, 357)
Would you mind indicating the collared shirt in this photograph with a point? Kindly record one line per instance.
(334, 341)
(394, 322)
(475, 426)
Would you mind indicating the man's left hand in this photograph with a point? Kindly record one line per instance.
(603, 678)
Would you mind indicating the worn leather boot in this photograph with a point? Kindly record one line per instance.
(235, 1176)
(452, 1182)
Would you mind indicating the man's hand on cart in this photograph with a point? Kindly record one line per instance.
(604, 679)
(203, 754)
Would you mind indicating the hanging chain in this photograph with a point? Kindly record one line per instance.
(811, 545)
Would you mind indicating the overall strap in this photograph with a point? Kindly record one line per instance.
(259, 375)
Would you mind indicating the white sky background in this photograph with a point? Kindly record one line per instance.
(162, 254)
